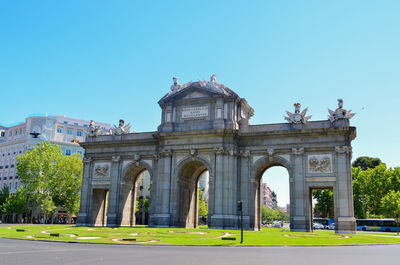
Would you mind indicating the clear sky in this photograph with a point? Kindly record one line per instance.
(106, 60)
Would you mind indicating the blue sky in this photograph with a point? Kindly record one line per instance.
(107, 60)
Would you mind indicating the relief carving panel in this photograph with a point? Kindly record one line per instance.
(102, 170)
(321, 163)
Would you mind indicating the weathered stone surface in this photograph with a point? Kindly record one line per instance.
(205, 126)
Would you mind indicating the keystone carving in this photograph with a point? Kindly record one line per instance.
(193, 152)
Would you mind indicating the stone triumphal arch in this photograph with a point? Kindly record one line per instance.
(205, 126)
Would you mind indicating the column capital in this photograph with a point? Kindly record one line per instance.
(87, 160)
(165, 152)
(343, 149)
(219, 150)
(244, 153)
(115, 158)
(298, 151)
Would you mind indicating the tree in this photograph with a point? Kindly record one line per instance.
(372, 185)
(65, 188)
(203, 210)
(324, 202)
(4, 193)
(366, 162)
(17, 202)
(391, 204)
(270, 214)
(50, 178)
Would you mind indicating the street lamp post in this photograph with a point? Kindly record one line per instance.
(363, 202)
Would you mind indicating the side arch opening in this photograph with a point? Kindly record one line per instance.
(135, 196)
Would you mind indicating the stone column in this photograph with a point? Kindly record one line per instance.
(84, 218)
(344, 210)
(298, 214)
(114, 198)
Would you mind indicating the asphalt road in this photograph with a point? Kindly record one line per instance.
(42, 253)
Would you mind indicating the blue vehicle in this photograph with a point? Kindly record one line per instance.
(384, 225)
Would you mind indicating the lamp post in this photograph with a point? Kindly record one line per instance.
(363, 202)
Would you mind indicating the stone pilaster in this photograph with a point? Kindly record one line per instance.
(299, 216)
(344, 210)
(113, 197)
(84, 216)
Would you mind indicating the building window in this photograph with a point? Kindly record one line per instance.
(69, 131)
(6, 166)
(65, 122)
(59, 129)
(16, 185)
(79, 133)
(68, 152)
(11, 177)
(12, 165)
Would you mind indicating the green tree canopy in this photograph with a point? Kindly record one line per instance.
(324, 198)
(374, 185)
(17, 202)
(50, 178)
(366, 162)
(203, 210)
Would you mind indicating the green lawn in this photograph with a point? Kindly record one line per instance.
(181, 236)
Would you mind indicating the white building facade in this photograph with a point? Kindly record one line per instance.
(16, 140)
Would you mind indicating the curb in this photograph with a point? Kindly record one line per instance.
(235, 246)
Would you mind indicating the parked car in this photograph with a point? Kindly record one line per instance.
(276, 224)
(318, 226)
(331, 226)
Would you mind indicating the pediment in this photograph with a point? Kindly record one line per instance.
(196, 90)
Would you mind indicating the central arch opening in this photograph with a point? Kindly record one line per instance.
(272, 195)
(189, 194)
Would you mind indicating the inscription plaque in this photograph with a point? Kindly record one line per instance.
(198, 112)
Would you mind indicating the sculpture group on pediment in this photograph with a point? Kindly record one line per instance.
(121, 128)
(175, 86)
(297, 117)
(340, 113)
(92, 130)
